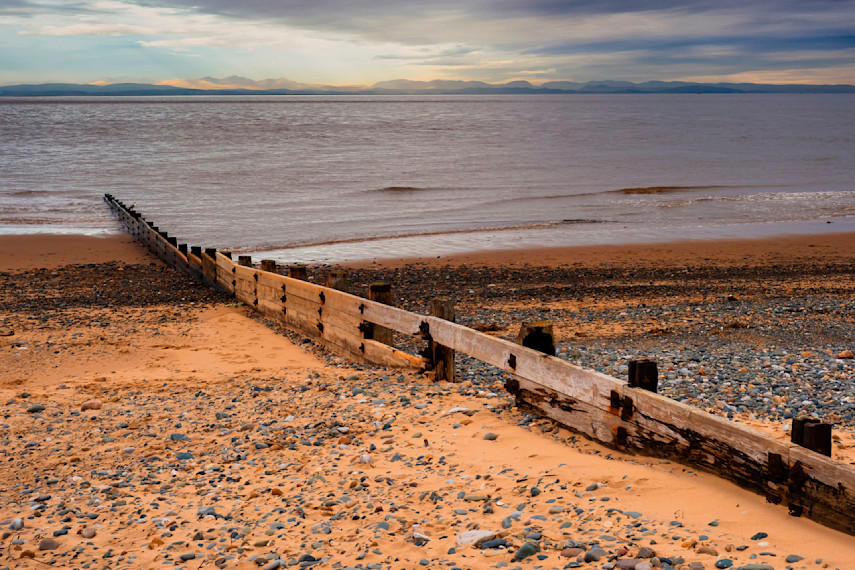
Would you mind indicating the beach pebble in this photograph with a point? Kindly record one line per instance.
(88, 532)
(474, 537)
(572, 552)
(491, 436)
(48, 544)
(17, 524)
(91, 405)
(526, 550)
(595, 554)
(35, 408)
(494, 543)
(846, 354)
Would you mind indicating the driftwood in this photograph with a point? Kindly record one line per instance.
(632, 418)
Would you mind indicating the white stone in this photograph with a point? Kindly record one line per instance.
(474, 537)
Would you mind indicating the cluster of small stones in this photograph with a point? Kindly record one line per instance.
(339, 469)
(769, 343)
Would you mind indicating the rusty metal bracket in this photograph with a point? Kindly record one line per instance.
(512, 362)
(621, 406)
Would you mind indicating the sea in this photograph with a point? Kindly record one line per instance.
(323, 179)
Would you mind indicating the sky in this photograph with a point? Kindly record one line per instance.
(361, 42)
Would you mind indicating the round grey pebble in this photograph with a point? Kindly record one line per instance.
(48, 544)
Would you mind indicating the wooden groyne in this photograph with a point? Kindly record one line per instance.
(628, 416)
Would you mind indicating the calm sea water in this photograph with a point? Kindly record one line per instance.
(334, 178)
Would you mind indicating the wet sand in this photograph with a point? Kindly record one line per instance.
(148, 421)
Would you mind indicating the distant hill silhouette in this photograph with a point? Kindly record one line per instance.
(408, 87)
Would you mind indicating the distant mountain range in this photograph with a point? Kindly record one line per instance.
(243, 86)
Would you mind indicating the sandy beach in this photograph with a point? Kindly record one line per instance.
(150, 422)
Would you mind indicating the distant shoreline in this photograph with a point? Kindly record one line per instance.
(426, 88)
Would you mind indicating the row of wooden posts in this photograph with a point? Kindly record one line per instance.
(629, 416)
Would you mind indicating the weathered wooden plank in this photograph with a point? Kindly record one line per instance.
(303, 323)
(209, 271)
(821, 489)
(309, 309)
(225, 273)
(269, 294)
(271, 309)
(245, 281)
(342, 338)
(576, 414)
(385, 355)
(245, 292)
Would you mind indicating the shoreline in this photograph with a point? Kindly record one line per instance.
(191, 434)
(729, 251)
(59, 249)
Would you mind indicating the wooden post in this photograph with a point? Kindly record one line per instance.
(337, 279)
(196, 250)
(298, 272)
(797, 431)
(442, 357)
(245, 260)
(172, 241)
(812, 434)
(381, 293)
(268, 265)
(818, 437)
(643, 374)
(537, 335)
(182, 247)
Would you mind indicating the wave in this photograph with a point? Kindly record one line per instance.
(396, 189)
(51, 192)
(508, 228)
(623, 191)
(666, 189)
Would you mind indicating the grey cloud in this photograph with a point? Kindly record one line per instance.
(26, 8)
(511, 23)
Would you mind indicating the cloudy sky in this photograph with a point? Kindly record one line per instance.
(350, 42)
